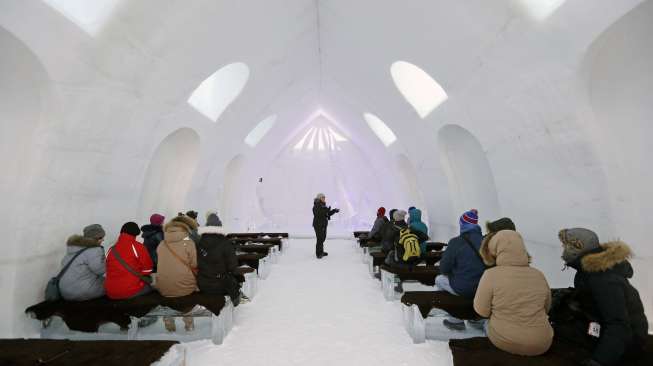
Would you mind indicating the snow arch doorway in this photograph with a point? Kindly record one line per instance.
(170, 173)
(410, 187)
(468, 172)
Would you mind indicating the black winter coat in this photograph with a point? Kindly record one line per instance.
(604, 274)
(216, 257)
(321, 214)
(152, 236)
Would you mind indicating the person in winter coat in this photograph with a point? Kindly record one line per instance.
(417, 226)
(193, 234)
(375, 233)
(388, 233)
(321, 216)
(216, 260)
(177, 265)
(515, 296)
(504, 223)
(391, 235)
(120, 283)
(461, 266)
(153, 235)
(603, 271)
(177, 259)
(84, 279)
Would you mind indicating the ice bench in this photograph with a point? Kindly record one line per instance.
(480, 351)
(257, 235)
(270, 250)
(423, 313)
(420, 278)
(260, 262)
(105, 319)
(377, 259)
(19, 352)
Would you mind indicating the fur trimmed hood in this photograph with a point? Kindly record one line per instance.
(211, 230)
(80, 241)
(181, 222)
(612, 254)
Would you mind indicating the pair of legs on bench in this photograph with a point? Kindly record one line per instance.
(442, 282)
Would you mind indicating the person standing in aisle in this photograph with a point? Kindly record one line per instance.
(321, 216)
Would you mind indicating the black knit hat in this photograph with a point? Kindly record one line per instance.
(504, 223)
(130, 228)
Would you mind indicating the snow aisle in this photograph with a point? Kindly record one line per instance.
(327, 312)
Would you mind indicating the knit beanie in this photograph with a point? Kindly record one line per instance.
(213, 219)
(504, 223)
(94, 231)
(399, 215)
(380, 212)
(576, 242)
(192, 214)
(469, 221)
(157, 219)
(130, 228)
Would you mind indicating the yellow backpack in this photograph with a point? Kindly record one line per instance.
(410, 243)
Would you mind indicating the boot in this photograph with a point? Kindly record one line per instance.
(169, 323)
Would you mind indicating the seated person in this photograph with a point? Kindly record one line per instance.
(603, 271)
(461, 266)
(416, 225)
(406, 251)
(177, 265)
(129, 267)
(217, 261)
(514, 296)
(84, 279)
(193, 234)
(388, 234)
(153, 235)
(376, 232)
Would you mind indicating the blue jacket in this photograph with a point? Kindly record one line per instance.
(415, 223)
(463, 267)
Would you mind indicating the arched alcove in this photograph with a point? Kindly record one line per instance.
(230, 207)
(418, 87)
(24, 97)
(170, 173)
(619, 80)
(219, 90)
(468, 172)
(410, 186)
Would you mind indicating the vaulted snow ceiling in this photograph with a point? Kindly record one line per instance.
(114, 108)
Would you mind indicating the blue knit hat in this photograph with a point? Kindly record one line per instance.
(469, 221)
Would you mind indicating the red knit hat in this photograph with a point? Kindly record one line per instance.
(157, 219)
(380, 212)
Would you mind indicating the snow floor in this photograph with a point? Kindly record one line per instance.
(319, 312)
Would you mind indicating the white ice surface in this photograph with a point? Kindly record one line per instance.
(319, 312)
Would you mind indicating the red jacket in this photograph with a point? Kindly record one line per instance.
(120, 284)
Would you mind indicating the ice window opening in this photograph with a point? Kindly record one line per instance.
(90, 16)
(541, 9)
(256, 135)
(419, 88)
(214, 94)
(380, 129)
(322, 138)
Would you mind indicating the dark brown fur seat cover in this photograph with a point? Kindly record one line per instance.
(273, 241)
(24, 352)
(424, 274)
(255, 248)
(250, 259)
(87, 316)
(480, 351)
(457, 306)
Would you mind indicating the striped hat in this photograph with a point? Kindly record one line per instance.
(468, 221)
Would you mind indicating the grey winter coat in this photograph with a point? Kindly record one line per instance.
(84, 280)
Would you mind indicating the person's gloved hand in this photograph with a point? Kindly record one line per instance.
(336, 210)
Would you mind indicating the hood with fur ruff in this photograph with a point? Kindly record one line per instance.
(612, 254)
(80, 241)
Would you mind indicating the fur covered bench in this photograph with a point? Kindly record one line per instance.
(358, 234)
(82, 320)
(273, 241)
(258, 235)
(29, 352)
(480, 351)
(257, 261)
